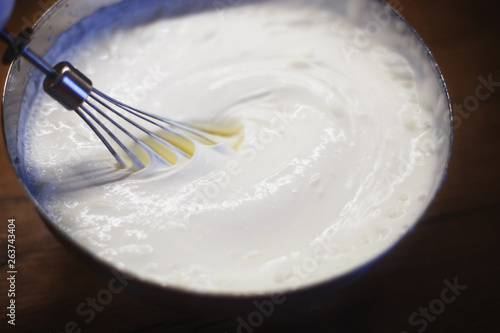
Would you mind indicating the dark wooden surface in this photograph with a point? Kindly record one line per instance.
(457, 238)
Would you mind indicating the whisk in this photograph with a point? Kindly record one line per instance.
(75, 92)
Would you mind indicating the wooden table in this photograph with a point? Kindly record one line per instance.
(457, 238)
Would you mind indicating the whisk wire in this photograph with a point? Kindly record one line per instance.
(138, 126)
(120, 161)
(98, 133)
(141, 114)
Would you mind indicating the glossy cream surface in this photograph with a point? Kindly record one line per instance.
(338, 160)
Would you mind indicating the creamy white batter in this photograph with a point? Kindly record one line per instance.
(340, 153)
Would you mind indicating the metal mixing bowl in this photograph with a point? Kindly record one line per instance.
(21, 88)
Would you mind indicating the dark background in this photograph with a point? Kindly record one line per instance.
(457, 238)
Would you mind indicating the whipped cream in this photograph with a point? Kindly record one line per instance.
(342, 145)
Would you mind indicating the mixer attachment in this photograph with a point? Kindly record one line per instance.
(102, 113)
(107, 117)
